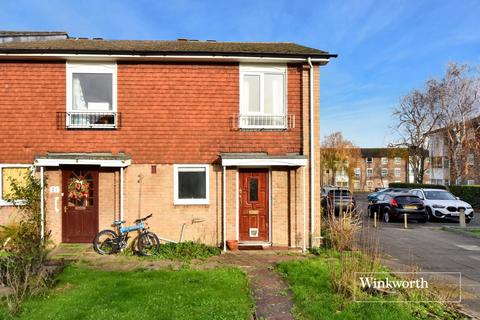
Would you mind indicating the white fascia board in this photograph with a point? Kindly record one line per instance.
(119, 57)
(101, 163)
(264, 162)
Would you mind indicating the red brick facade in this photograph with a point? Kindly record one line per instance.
(171, 113)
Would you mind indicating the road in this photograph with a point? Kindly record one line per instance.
(430, 248)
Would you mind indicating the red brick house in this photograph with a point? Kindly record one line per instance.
(215, 136)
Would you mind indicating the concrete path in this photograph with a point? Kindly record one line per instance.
(273, 299)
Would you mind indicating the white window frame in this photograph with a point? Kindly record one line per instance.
(470, 182)
(261, 70)
(367, 161)
(7, 165)
(91, 67)
(384, 172)
(398, 160)
(399, 171)
(371, 174)
(357, 172)
(178, 201)
(384, 160)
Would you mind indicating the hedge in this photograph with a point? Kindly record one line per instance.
(416, 185)
(468, 193)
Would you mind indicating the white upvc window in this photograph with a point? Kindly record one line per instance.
(369, 172)
(384, 160)
(384, 172)
(191, 184)
(398, 172)
(91, 95)
(263, 97)
(357, 172)
(470, 182)
(369, 160)
(398, 160)
(7, 173)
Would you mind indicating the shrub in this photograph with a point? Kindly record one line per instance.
(23, 247)
(416, 185)
(187, 250)
(468, 193)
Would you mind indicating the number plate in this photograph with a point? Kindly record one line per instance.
(411, 207)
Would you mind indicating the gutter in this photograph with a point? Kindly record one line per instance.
(312, 155)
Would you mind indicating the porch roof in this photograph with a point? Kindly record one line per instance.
(262, 159)
(106, 159)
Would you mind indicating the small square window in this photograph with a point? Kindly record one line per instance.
(398, 160)
(191, 184)
(369, 160)
(384, 160)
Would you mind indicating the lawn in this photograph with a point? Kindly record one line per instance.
(310, 281)
(84, 293)
(474, 231)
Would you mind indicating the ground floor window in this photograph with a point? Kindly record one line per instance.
(8, 173)
(191, 184)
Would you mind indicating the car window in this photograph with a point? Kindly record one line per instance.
(439, 195)
(381, 197)
(407, 199)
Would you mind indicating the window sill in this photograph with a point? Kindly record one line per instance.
(191, 202)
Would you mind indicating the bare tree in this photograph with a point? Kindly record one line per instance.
(337, 155)
(458, 105)
(416, 117)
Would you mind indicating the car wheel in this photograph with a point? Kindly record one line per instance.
(386, 216)
(429, 214)
(467, 220)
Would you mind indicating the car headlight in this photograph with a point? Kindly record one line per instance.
(437, 206)
(469, 207)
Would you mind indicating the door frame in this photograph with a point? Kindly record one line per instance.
(237, 205)
(63, 168)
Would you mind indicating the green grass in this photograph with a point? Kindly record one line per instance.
(310, 282)
(84, 293)
(474, 231)
(186, 251)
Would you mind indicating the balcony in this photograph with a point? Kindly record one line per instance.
(264, 122)
(88, 120)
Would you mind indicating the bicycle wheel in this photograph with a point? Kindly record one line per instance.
(147, 243)
(104, 242)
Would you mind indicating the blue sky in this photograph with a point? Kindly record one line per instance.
(386, 48)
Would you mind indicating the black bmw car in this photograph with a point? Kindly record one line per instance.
(393, 206)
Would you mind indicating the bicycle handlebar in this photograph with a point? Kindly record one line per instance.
(144, 218)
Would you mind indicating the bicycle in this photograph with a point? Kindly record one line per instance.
(108, 242)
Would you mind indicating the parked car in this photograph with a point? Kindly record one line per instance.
(337, 199)
(392, 206)
(373, 196)
(441, 204)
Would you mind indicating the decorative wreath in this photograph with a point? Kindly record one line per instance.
(78, 188)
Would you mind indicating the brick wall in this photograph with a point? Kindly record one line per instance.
(171, 113)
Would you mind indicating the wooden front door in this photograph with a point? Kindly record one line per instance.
(79, 204)
(253, 199)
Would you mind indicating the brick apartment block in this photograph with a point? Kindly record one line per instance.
(214, 136)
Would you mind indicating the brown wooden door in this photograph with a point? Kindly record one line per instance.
(79, 204)
(253, 211)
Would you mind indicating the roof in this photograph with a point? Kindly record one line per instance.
(6, 33)
(164, 47)
(382, 152)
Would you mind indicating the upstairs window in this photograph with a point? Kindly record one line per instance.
(369, 172)
(398, 172)
(91, 95)
(384, 172)
(369, 160)
(263, 97)
(357, 172)
(384, 160)
(398, 160)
